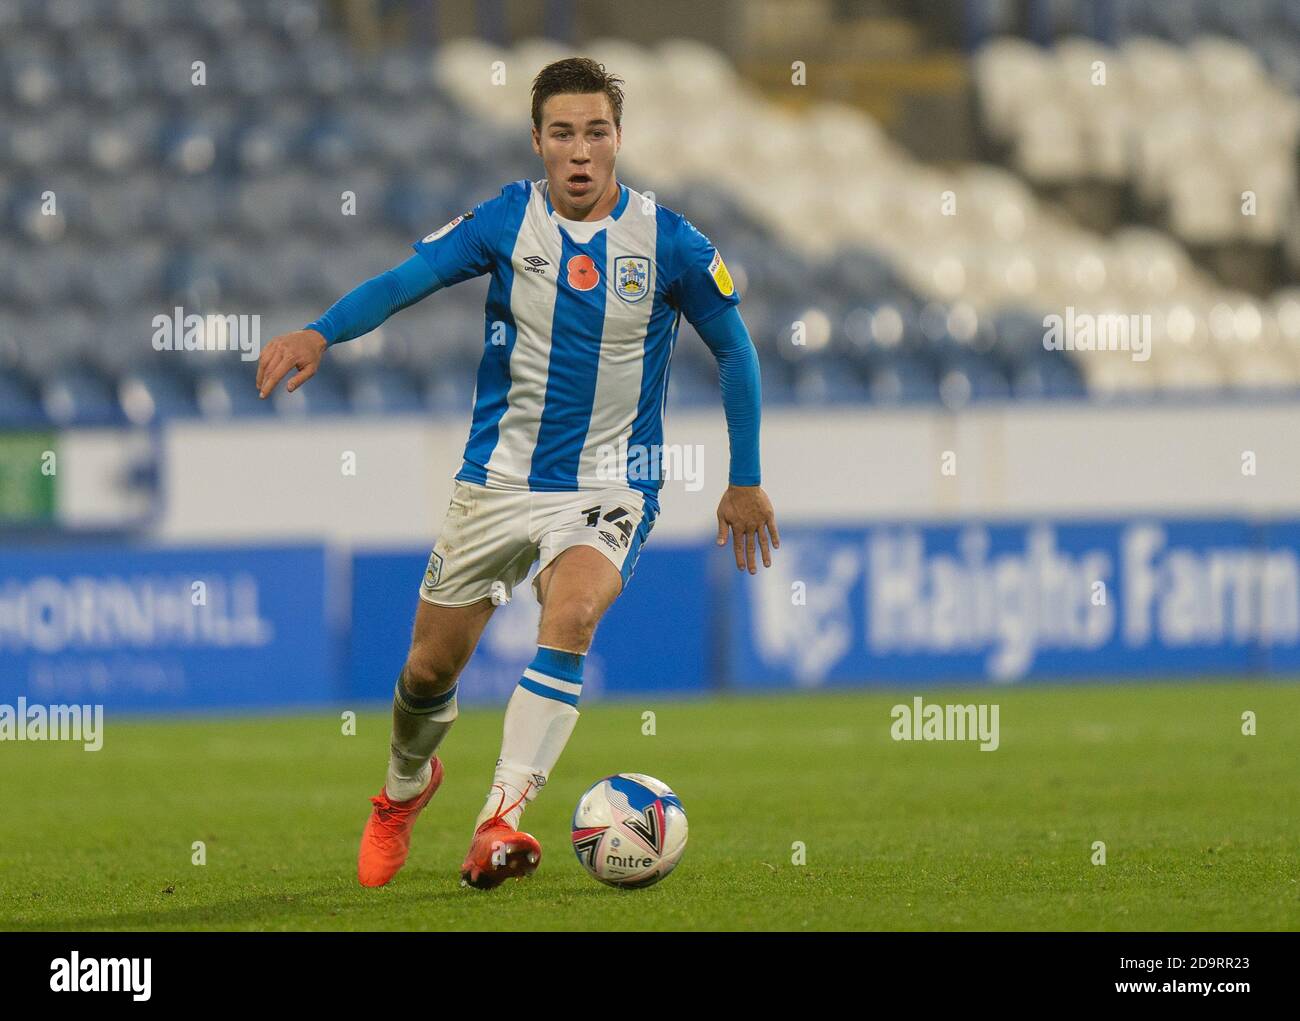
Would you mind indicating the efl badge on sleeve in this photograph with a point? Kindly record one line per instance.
(447, 228)
(718, 270)
(631, 277)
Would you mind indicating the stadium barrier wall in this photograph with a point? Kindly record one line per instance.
(886, 604)
(280, 481)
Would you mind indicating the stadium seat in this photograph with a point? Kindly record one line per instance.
(20, 406)
(150, 395)
(380, 390)
(903, 379)
(230, 393)
(79, 398)
(1047, 377)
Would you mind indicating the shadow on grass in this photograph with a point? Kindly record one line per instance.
(324, 907)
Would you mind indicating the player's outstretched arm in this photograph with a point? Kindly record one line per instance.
(745, 510)
(353, 315)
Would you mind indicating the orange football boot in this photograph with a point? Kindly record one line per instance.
(498, 852)
(386, 840)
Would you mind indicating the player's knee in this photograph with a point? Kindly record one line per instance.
(573, 625)
(427, 675)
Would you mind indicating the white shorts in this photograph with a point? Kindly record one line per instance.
(496, 535)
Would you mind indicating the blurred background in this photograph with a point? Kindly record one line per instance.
(907, 194)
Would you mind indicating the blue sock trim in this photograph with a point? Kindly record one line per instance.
(411, 703)
(564, 666)
(540, 689)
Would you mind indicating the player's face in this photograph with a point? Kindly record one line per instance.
(578, 143)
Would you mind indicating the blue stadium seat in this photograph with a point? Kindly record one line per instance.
(148, 395)
(874, 334)
(1241, 18)
(322, 203)
(325, 394)
(325, 68)
(382, 390)
(293, 21)
(1053, 375)
(122, 277)
(230, 393)
(80, 398)
(191, 145)
(902, 380)
(146, 19)
(124, 209)
(691, 384)
(124, 142)
(264, 145)
(72, 16)
(106, 72)
(19, 403)
(859, 273)
(449, 387)
(254, 67)
(963, 380)
(31, 71)
(192, 209)
(169, 64)
(26, 208)
(776, 381)
(332, 144)
(828, 381)
(269, 206)
(1018, 335)
(401, 75)
(37, 279)
(32, 143)
(1282, 55)
(223, 21)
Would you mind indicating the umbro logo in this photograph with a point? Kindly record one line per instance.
(535, 264)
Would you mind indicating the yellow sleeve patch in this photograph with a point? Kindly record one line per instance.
(718, 270)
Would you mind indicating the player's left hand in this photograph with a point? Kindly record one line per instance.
(747, 513)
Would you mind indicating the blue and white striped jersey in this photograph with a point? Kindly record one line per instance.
(581, 321)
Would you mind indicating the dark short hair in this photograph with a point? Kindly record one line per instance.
(580, 75)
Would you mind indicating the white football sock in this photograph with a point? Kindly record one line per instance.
(539, 719)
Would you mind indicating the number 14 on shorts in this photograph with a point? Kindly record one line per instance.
(617, 518)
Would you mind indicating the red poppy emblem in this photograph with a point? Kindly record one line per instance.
(583, 275)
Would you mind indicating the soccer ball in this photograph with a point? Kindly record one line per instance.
(629, 830)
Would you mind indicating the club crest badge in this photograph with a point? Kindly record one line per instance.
(632, 277)
(433, 573)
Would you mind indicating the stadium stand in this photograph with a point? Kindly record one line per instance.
(859, 283)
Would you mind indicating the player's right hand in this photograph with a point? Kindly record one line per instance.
(301, 350)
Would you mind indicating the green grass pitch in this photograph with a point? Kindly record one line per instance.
(1199, 821)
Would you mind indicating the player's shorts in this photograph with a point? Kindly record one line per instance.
(493, 536)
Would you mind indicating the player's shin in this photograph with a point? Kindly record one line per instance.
(539, 719)
(419, 725)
